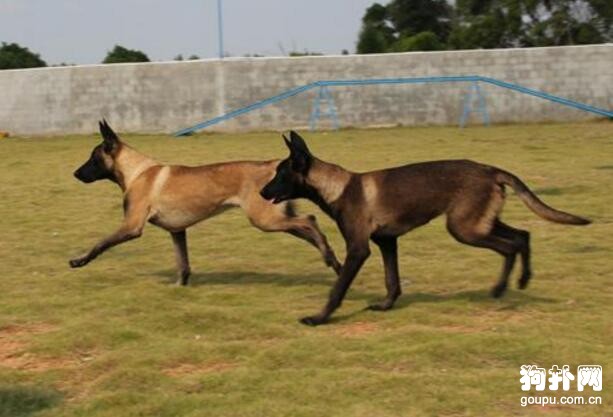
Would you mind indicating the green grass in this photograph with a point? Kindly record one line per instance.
(116, 338)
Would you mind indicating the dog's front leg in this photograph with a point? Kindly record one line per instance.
(132, 228)
(357, 254)
(120, 236)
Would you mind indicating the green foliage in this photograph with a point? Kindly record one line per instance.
(375, 35)
(516, 23)
(375, 14)
(423, 41)
(371, 40)
(573, 22)
(470, 24)
(120, 54)
(304, 53)
(484, 31)
(14, 56)
(410, 17)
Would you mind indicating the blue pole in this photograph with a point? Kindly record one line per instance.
(220, 27)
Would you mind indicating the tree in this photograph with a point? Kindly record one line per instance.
(14, 56)
(517, 23)
(491, 30)
(410, 17)
(388, 28)
(407, 25)
(423, 41)
(371, 41)
(571, 22)
(604, 12)
(376, 35)
(120, 54)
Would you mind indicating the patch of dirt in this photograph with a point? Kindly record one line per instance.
(30, 362)
(357, 329)
(13, 349)
(195, 369)
(25, 329)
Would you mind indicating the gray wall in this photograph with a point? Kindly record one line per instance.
(164, 97)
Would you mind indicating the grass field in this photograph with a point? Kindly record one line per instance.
(116, 338)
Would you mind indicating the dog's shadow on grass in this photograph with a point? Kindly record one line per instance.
(249, 277)
(203, 279)
(510, 300)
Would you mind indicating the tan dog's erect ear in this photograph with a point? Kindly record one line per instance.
(111, 140)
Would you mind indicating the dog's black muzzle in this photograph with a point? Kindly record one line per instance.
(83, 177)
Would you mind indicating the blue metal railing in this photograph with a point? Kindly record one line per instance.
(475, 89)
(406, 80)
(316, 113)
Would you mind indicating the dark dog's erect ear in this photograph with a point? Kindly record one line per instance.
(287, 141)
(300, 155)
(111, 140)
(298, 142)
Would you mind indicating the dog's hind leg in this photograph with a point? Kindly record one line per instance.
(389, 252)
(522, 239)
(473, 220)
(281, 218)
(179, 239)
(507, 248)
(472, 231)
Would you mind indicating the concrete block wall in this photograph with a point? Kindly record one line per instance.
(167, 96)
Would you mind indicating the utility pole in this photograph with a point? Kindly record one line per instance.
(220, 27)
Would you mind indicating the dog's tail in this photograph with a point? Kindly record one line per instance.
(535, 204)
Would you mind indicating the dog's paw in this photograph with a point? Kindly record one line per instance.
(498, 291)
(312, 320)
(78, 262)
(522, 284)
(382, 306)
(181, 282)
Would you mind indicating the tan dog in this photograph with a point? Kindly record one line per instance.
(175, 197)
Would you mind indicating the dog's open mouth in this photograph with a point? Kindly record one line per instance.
(279, 199)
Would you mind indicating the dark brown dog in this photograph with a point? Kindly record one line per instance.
(175, 197)
(382, 205)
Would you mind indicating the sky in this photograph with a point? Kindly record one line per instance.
(82, 31)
